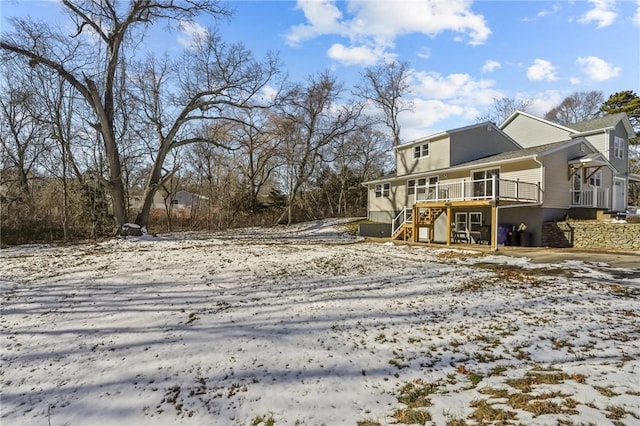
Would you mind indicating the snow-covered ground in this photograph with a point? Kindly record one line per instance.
(307, 326)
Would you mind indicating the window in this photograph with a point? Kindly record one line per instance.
(618, 147)
(595, 178)
(460, 222)
(421, 151)
(482, 185)
(577, 186)
(382, 190)
(411, 186)
(475, 221)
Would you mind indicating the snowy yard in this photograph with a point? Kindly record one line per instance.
(308, 326)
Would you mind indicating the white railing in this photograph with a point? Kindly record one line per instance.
(405, 216)
(595, 197)
(482, 189)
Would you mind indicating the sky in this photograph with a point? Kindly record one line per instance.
(462, 54)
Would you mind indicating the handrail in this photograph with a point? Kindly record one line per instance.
(594, 197)
(479, 189)
(405, 216)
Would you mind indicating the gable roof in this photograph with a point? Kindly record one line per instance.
(445, 133)
(604, 123)
(595, 125)
(533, 117)
(497, 159)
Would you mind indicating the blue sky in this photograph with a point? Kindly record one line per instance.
(463, 54)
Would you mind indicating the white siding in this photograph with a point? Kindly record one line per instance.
(529, 132)
(384, 207)
(439, 157)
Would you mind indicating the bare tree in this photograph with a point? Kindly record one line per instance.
(502, 109)
(579, 106)
(307, 126)
(386, 86)
(23, 135)
(214, 81)
(257, 154)
(110, 25)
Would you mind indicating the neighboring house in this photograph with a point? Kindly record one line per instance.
(182, 201)
(477, 182)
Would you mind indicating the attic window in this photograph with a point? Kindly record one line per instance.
(421, 151)
(618, 147)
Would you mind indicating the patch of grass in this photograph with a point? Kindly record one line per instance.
(475, 378)
(415, 394)
(368, 423)
(263, 421)
(497, 370)
(536, 404)
(606, 391)
(485, 412)
(456, 422)
(410, 416)
(533, 378)
(616, 412)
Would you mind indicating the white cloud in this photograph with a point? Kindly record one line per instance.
(491, 65)
(379, 23)
(636, 17)
(543, 102)
(191, 32)
(425, 114)
(455, 87)
(575, 81)
(360, 55)
(545, 12)
(597, 69)
(542, 70)
(424, 53)
(323, 17)
(603, 13)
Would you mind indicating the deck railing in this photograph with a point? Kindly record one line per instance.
(405, 216)
(482, 189)
(594, 197)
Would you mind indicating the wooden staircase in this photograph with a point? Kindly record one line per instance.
(404, 233)
(422, 217)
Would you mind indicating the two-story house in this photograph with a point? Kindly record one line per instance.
(475, 183)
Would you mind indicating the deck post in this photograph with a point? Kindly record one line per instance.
(494, 226)
(414, 221)
(493, 187)
(449, 222)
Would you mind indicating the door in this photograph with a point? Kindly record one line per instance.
(577, 187)
(619, 195)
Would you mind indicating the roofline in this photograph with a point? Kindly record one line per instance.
(518, 112)
(561, 145)
(446, 133)
(623, 117)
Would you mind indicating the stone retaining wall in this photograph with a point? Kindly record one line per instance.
(591, 235)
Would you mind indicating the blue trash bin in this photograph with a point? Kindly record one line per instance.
(503, 232)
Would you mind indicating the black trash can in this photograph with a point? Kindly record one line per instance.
(525, 238)
(513, 237)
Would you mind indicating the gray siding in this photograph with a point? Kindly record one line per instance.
(557, 185)
(478, 142)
